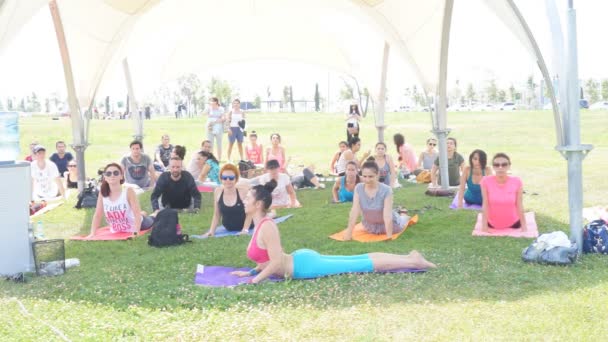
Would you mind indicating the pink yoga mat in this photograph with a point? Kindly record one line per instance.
(531, 232)
(204, 188)
(104, 234)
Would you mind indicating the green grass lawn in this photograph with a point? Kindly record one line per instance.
(480, 291)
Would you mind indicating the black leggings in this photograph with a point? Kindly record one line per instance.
(515, 225)
(304, 181)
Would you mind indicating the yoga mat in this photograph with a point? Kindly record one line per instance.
(361, 235)
(221, 231)
(104, 234)
(531, 232)
(205, 188)
(46, 209)
(219, 276)
(465, 205)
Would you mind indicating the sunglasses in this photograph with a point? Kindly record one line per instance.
(228, 178)
(112, 173)
(431, 144)
(500, 164)
(72, 165)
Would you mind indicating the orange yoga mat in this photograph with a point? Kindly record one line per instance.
(359, 233)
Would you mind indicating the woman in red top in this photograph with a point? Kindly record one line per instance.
(254, 150)
(266, 251)
(502, 197)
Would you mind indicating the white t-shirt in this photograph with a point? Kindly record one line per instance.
(45, 180)
(280, 197)
(214, 114)
(235, 117)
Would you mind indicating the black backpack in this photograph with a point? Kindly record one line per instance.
(245, 166)
(164, 232)
(88, 197)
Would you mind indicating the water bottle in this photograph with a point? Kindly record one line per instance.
(39, 231)
(72, 262)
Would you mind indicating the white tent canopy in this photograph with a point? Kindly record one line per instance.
(99, 33)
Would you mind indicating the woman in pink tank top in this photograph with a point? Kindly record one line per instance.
(254, 150)
(276, 151)
(502, 197)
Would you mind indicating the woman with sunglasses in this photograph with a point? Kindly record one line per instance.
(407, 156)
(374, 202)
(266, 251)
(502, 197)
(427, 158)
(118, 204)
(228, 203)
(71, 175)
(471, 177)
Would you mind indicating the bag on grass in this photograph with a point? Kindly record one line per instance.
(88, 197)
(423, 177)
(551, 248)
(166, 230)
(595, 237)
(246, 167)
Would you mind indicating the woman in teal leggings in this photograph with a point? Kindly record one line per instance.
(266, 251)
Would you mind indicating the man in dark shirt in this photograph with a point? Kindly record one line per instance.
(61, 158)
(177, 188)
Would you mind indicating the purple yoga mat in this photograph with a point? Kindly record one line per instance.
(465, 205)
(219, 276)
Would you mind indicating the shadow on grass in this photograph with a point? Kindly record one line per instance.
(130, 273)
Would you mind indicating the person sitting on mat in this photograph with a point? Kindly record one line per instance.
(254, 150)
(277, 152)
(176, 189)
(139, 169)
(407, 157)
(71, 175)
(388, 173)
(228, 203)
(472, 175)
(283, 195)
(502, 197)
(350, 154)
(374, 202)
(118, 204)
(266, 251)
(455, 165)
(344, 188)
(342, 146)
(427, 157)
(207, 166)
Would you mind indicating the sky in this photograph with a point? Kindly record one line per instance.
(481, 48)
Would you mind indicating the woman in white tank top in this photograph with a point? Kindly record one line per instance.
(237, 126)
(119, 206)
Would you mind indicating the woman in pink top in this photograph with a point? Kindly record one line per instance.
(254, 150)
(407, 157)
(276, 152)
(502, 197)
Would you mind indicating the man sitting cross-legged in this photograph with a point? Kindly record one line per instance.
(177, 188)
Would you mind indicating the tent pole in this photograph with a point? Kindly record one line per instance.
(380, 126)
(79, 145)
(441, 130)
(574, 152)
(134, 107)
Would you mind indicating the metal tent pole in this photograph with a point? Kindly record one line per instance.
(134, 106)
(380, 126)
(79, 144)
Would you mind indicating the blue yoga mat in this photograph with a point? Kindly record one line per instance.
(221, 230)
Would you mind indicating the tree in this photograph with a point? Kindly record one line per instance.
(347, 92)
(220, 89)
(512, 93)
(190, 88)
(9, 104)
(317, 98)
(257, 102)
(1, 105)
(288, 97)
(605, 89)
(47, 105)
(470, 95)
(531, 98)
(502, 96)
(492, 91)
(107, 105)
(22, 105)
(591, 87)
(35, 103)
